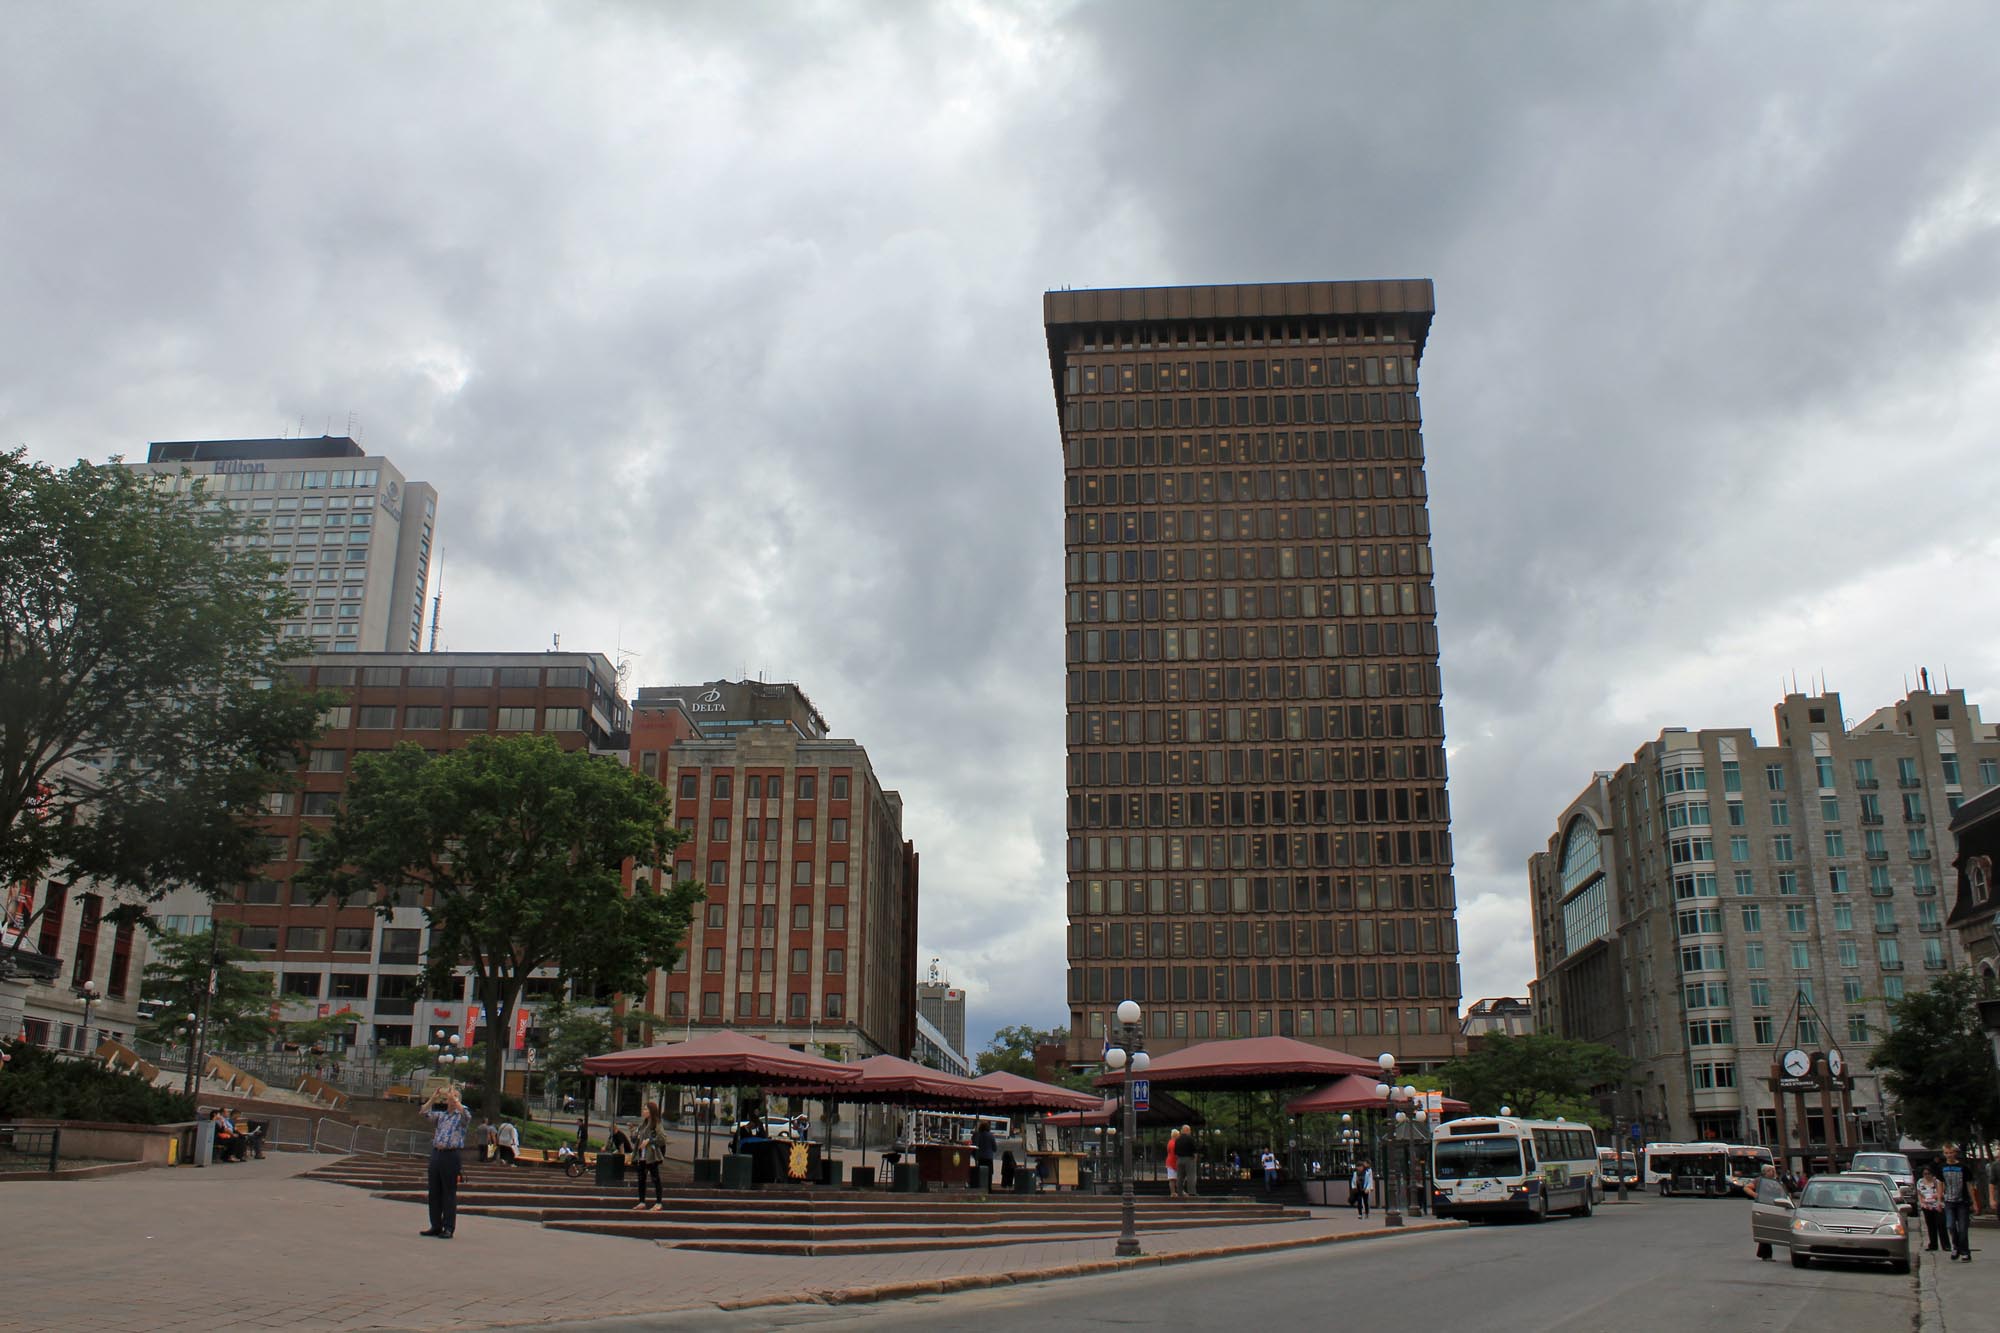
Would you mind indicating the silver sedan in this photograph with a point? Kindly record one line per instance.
(1833, 1217)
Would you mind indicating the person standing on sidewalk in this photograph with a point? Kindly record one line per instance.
(1957, 1193)
(1174, 1164)
(1930, 1202)
(449, 1121)
(649, 1149)
(1190, 1163)
(1360, 1186)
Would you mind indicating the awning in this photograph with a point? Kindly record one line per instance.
(1356, 1092)
(1014, 1093)
(892, 1081)
(724, 1058)
(1249, 1063)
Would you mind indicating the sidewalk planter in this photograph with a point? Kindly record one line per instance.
(861, 1177)
(739, 1171)
(909, 1178)
(610, 1168)
(707, 1171)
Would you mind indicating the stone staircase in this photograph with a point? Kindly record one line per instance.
(792, 1220)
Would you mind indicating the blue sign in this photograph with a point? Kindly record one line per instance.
(1142, 1094)
(1637, 1133)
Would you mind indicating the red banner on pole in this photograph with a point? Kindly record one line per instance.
(521, 1017)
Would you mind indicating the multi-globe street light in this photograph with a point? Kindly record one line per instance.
(1128, 1056)
(1393, 1201)
(88, 992)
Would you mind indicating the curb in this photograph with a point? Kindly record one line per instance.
(1930, 1311)
(893, 1291)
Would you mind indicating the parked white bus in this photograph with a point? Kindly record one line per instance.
(1483, 1166)
(1690, 1168)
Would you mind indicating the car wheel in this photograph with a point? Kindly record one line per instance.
(1798, 1260)
(1764, 1250)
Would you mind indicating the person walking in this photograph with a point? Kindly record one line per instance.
(1269, 1161)
(649, 1150)
(449, 1121)
(1930, 1202)
(508, 1142)
(1957, 1192)
(1174, 1164)
(984, 1148)
(1190, 1162)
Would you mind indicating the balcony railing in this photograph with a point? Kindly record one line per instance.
(1930, 927)
(1867, 784)
(1892, 965)
(1876, 855)
(1915, 817)
(1886, 927)
(1909, 784)
(1871, 819)
(1920, 853)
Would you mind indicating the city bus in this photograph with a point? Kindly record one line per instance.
(1485, 1166)
(1746, 1165)
(1690, 1168)
(1615, 1168)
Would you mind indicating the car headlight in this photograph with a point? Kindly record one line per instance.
(1805, 1224)
(1889, 1229)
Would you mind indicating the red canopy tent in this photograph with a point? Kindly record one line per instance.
(887, 1079)
(1011, 1092)
(725, 1057)
(1356, 1092)
(1164, 1110)
(1249, 1063)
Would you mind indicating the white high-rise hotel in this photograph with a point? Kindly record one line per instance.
(354, 532)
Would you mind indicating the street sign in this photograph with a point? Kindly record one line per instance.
(1142, 1094)
(1638, 1134)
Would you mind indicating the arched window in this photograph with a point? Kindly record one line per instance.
(1582, 855)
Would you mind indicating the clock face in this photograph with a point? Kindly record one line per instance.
(1797, 1062)
(1835, 1063)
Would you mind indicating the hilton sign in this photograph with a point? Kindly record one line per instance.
(229, 465)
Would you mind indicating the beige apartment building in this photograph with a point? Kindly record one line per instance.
(354, 534)
(1715, 901)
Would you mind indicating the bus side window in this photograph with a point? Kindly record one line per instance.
(1528, 1159)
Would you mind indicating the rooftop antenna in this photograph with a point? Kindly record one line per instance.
(934, 972)
(350, 423)
(302, 425)
(437, 601)
(555, 643)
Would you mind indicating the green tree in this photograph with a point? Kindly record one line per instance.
(521, 847)
(1537, 1075)
(564, 1036)
(1013, 1049)
(314, 1031)
(239, 1010)
(1937, 1063)
(144, 713)
(43, 1085)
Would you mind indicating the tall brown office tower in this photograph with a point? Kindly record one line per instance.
(1259, 837)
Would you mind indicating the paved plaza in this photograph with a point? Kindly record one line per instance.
(252, 1245)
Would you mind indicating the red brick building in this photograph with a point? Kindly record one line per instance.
(808, 933)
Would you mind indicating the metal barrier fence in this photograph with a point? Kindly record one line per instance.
(287, 1131)
(334, 1136)
(30, 1147)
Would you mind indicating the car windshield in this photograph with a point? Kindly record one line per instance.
(1865, 1196)
(1476, 1159)
(1894, 1163)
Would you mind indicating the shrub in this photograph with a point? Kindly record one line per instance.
(511, 1107)
(41, 1085)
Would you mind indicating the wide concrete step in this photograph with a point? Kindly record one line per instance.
(750, 1208)
(649, 1226)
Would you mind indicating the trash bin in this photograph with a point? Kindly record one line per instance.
(861, 1177)
(1026, 1182)
(982, 1178)
(610, 1168)
(909, 1178)
(829, 1172)
(707, 1171)
(739, 1171)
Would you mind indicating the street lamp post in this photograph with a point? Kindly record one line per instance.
(1393, 1201)
(193, 1036)
(1129, 1055)
(88, 991)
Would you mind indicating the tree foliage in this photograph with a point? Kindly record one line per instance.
(1012, 1049)
(239, 1010)
(1938, 1063)
(39, 1084)
(521, 846)
(1537, 1075)
(144, 714)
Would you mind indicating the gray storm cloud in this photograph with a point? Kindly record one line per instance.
(717, 328)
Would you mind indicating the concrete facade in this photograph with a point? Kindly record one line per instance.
(1259, 836)
(355, 535)
(943, 1006)
(1716, 901)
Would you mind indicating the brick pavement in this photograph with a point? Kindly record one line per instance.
(249, 1246)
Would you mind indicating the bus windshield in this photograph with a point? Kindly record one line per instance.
(1476, 1159)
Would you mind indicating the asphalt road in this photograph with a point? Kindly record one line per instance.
(1670, 1265)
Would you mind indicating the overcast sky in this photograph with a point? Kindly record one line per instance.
(718, 329)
